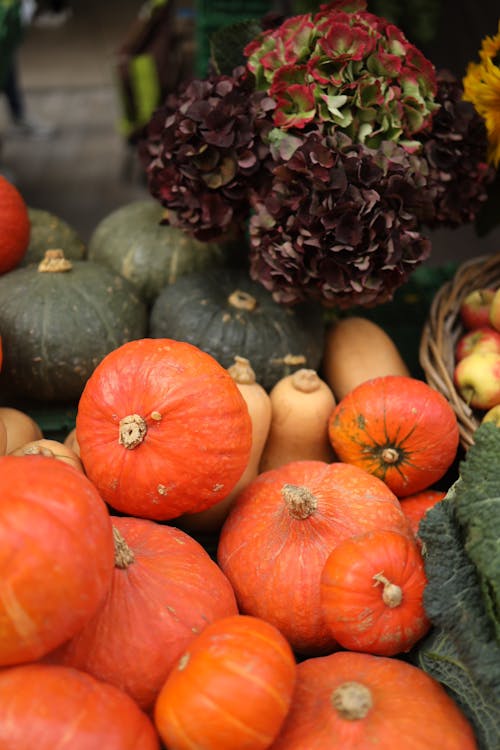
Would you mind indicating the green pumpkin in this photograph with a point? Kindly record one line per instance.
(50, 232)
(133, 242)
(58, 320)
(225, 313)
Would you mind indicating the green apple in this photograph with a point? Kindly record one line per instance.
(477, 379)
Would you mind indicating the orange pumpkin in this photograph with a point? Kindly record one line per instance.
(397, 428)
(278, 535)
(162, 429)
(416, 506)
(350, 701)
(372, 587)
(15, 226)
(49, 707)
(165, 590)
(231, 689)
(56, 555)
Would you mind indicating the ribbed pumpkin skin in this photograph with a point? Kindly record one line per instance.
(46, 706)
(56, 327)
(231, 689)
(357, 575)
(50, 232)
(274, 560)
(197, 429)
(14, 226)
(410, 710)
(397, 428)
(155, 607)
(56, 555)
(276, 339)
(132, 241)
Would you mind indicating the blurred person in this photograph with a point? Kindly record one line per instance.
(21, 124)
(53, 14)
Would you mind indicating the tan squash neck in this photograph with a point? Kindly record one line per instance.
(242, 372)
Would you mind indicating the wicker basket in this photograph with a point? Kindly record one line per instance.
(442, 330)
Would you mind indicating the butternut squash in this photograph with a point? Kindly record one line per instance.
(259, 407)
(301, 406)
(357, 349)
(20, 428)
(71, 441)
(50, 448)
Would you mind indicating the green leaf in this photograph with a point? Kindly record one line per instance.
(228, 42)
(462, 651)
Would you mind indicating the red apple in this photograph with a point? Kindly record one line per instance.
(475, 308)
(495, 311)
(485, 339)
(477, 379)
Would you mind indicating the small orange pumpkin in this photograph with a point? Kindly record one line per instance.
(397, 428)
(372, 589)
(231, 689)
(163, 429)
(15, 226)
(351, 701)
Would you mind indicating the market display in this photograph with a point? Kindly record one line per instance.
(251, 523)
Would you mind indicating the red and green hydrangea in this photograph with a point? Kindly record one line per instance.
(350, 70)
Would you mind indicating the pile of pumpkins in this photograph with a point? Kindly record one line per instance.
(308, 468)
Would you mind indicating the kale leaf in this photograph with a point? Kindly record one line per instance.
(461, 537)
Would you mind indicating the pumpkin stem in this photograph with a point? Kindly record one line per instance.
(38, 450)
(54, 262)
(242, 371)
(132, 431)
(123, 554)
(306, 381)
(352, 700)
(300, 501)
(392, 595)
(242, 300)
(390, 456)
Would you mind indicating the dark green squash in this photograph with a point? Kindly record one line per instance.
(58, 320)
(133, 242)
(226, 314)
(49, 232)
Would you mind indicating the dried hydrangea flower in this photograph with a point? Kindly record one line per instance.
(338, 224)
(456, 148)
(203, 150)
(348, 70)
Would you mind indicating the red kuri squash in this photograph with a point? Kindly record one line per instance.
(350, 701)
(165, 590)
(56, 555)
(416, 506)
(279, 533)
(372, 587)
(397, 428)
(47, 707)
(162, 429)
(231, 689)
(14, 226)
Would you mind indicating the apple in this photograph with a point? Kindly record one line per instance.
(495, 311)
(475, 308)
(477, 379)
(492, 415)
(484, 339)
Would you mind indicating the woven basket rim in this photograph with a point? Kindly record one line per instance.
(442, 330)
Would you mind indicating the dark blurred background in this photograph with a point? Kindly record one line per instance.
(69, 73)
